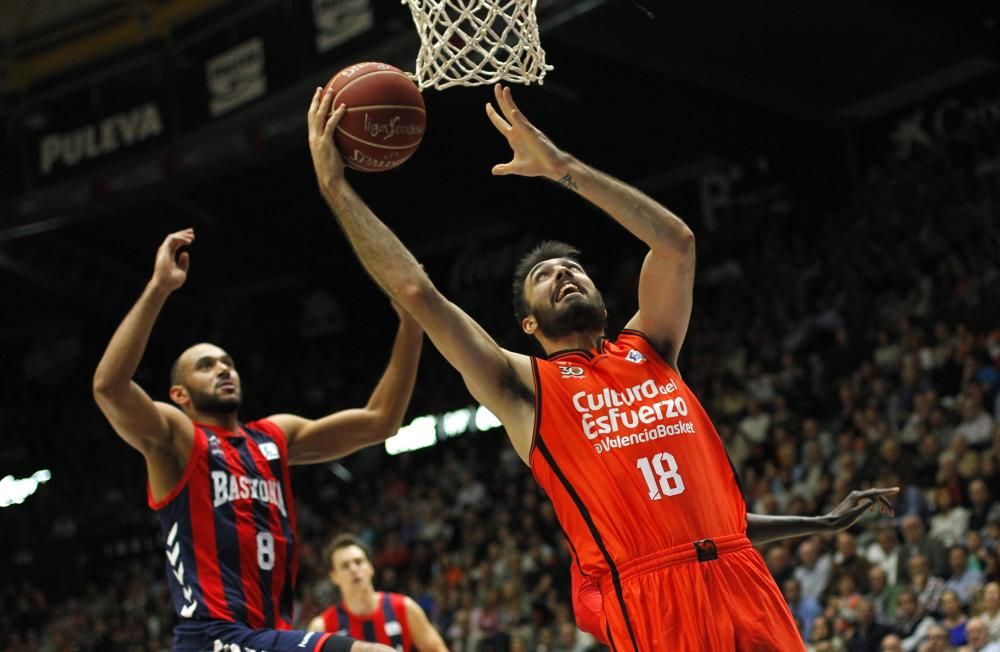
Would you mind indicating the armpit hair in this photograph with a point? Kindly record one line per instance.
(513, 385)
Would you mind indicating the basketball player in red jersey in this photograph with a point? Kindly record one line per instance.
(640, 481)
(221, 487)
(369, 615)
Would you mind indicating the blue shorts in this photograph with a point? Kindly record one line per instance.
(225, 636)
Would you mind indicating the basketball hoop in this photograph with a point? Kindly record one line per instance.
(477, 42)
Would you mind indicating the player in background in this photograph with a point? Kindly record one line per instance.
(369, 615)
(221, 487)
(638, 476)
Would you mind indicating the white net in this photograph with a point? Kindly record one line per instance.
(477, 42)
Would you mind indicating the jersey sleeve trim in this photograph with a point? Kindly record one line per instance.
(320, 641)
(403, 616)
(535, 375)
(198, 448)
(271, 429)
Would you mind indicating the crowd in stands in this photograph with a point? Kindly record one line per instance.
(833, 351)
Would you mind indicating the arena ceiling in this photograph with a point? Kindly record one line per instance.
(649, 98)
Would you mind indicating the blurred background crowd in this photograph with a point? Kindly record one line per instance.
(845, 334)
(834, 351)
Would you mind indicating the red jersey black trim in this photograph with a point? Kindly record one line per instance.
(538, 406)
(585, 513)
(565, 352)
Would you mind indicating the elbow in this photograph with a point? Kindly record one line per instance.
(684, 243)
(677, 240)
(101, 385)
(380, 424)
(416, 294)
(104, 386)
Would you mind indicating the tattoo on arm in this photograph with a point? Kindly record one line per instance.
(568, 182)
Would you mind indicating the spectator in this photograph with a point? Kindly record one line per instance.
(777, 560)
(989, 609)
(937, 640)
(953, 618)
(917, 541)
(882, 594)
(884, 551)
(848, 562)
(804, 610)
(813, 571)
(982, 508)
(912, 623)
(867, 632)
(978, 637)
(951, 521)
(976, 426)
(928, 588)
(822, 637)
(964, 580)
(891, 643)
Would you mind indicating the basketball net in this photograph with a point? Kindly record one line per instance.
(477, 42)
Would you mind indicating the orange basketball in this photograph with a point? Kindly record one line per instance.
(385, 117)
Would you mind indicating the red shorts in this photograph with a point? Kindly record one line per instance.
(672, 601)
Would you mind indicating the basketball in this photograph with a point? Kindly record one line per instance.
(385, 117)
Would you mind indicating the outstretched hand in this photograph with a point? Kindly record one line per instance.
(534, 154)
(328, 163)
(170, 268)
(851, 508)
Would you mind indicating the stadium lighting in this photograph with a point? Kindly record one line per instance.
(14, 491)
(429, 429)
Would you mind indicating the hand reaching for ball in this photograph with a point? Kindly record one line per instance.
(379, 122)
(322, 123)
(534, 154)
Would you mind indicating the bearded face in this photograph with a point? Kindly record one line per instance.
(225, 402)
(209, 377)
(563, 300)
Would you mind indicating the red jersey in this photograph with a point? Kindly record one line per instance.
(628, 456)
(388, 624)
(229, 528)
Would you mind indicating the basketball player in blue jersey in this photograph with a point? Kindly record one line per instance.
(367, 614)
(221, 486)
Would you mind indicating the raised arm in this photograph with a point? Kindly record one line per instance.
(666, 282)
(344, 432)
(499, 379)
(161, 432)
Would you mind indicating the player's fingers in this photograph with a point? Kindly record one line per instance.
(176, 240)
(183, 261)
(886, 505)
(501, 101)
(334, 120)
(323, 110)
(502, 169)
(860, 508)
(314, 103)
(502, 125)
(507, 102)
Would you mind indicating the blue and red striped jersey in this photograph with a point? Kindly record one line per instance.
(388, 624)
(230, 528)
